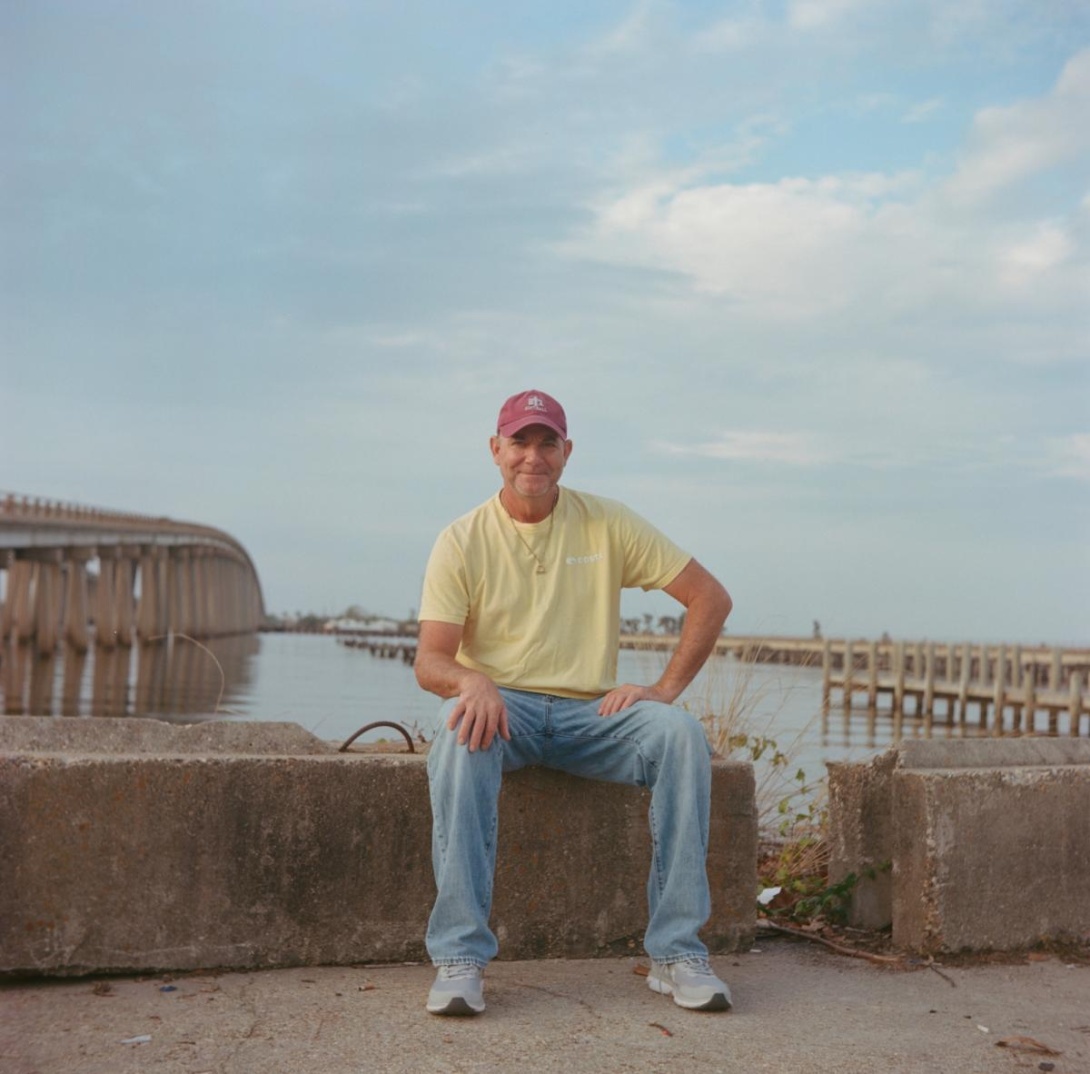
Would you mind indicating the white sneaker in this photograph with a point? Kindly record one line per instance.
(457, 990)
(692, 984)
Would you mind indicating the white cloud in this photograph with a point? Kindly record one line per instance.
(1070, 456)
(813, 14)
(792, 449)
(510, 159)
(1010, 144)
(882, 244)
(403, 92)
(1027, 260)
(923, 111)
(730, 35)
(401, 340)
(795, 248)
(865, 447)
(631, 34)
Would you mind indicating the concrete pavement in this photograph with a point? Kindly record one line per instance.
(798, 1009)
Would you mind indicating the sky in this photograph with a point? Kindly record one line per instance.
(811, 278)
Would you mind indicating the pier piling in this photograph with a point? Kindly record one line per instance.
(943, 680)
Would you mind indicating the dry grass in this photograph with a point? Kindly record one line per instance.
(740, 709)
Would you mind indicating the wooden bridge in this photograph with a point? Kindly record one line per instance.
(155, 576)
(1008, 686)
(389, 647)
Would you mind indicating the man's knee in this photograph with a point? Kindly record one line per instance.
(675, 728)
(447, 756)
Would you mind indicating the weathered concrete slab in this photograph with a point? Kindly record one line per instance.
(1029, 751)
(989, 841)
(861, 836)
(248, 846)
(47, 734)
(990, 859)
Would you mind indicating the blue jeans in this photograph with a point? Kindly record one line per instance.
(648, 744)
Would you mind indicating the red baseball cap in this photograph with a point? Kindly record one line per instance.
(532, 408)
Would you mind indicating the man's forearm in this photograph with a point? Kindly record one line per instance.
(442, 675)
(704, 619)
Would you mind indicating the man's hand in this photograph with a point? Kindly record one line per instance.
(620, 697)
(480, 707)
(707, 605)
(482, 713)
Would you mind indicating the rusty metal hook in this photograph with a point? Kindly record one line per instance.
(371, 726)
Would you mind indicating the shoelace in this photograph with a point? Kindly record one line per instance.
(697, 967)
(457, 973)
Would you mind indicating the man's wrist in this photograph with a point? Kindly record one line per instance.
(474, 680)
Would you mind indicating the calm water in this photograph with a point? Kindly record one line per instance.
(333, 690)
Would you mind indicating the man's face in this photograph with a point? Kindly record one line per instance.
(531, 461)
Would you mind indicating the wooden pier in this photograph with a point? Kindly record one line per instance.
(1007, 686)
(389, 648)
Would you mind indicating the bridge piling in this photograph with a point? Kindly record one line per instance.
(199, 595)
(150, 610)
(76, 634)
(183, 613)
(109, 680)
(14, 668)
(151, 577)
(124, 597)
(105, 606)
(74, 663)
(47, 601)
(41, 683)
(19, 606)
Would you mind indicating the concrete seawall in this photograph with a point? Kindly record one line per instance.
(134, 845)
(967, 845)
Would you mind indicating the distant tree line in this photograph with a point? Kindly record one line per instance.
(313, 623)
(647, 624)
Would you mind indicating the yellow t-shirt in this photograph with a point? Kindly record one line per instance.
(552, 632)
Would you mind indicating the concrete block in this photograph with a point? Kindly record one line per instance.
(988, 838)
(990, 859)
(131, 845)
(1023, 752)
(861, 837)
(46, 734)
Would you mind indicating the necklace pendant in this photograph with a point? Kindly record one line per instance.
(539, 569)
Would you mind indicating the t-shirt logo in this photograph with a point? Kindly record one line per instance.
(535, 402)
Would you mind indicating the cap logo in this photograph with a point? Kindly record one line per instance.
(531, 407)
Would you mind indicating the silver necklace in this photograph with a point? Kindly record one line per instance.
(540, 568)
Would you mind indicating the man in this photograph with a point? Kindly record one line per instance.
(519, 633)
